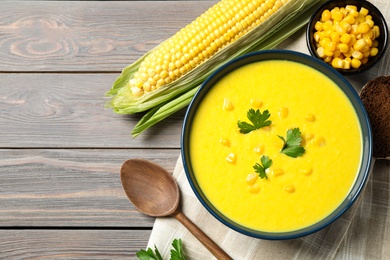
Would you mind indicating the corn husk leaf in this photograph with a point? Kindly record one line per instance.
(169, 98)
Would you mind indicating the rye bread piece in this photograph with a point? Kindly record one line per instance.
(375, 96)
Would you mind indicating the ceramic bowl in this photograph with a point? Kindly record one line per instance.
(377, 17)
(332, 74)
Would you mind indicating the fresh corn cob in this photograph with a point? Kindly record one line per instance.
(219, 26)
(228, 29)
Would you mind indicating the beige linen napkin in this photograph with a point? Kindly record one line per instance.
(363, 232)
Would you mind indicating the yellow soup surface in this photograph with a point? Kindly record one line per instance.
(298, 191)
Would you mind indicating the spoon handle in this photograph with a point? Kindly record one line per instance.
(201, 236)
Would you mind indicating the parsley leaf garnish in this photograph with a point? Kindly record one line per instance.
(257, 119)
(149, 254)
(176, 254)
(265, 164)
(292, 144)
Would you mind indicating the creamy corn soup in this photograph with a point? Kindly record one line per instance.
(296, 192)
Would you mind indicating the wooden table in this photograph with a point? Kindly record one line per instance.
(60, 148)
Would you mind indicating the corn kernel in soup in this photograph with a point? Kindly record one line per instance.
(298, 191)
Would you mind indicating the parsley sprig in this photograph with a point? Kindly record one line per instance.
(177, 252)
(292, 144)
(257, 119)
(266, 162)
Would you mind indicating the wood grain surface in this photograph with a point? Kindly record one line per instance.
(70, 187)
(68, 110)
(71, 244)
(60, 147)
(99, 36)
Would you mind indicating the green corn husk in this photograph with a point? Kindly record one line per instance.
(174, 96)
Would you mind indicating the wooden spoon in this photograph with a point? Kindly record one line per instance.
(154, 192)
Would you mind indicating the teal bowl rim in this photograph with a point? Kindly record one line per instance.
(344, 85)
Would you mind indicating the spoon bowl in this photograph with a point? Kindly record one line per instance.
(151, 189)
(154, 192)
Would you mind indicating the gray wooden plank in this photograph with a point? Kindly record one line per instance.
(70, 188)
(68, 110)
(87, 35)
(72, 244)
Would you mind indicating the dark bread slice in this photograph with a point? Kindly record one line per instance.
(375, 96)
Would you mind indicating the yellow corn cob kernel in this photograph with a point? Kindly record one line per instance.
(363, 27)
(370, 23)
(360, 18)
(328, 59)
(227, 105)
(321, 52)
(375, 43)
(353, 29)
(335, 37)
(256, 103)
(345, 38)
(310, 117)
(266, 128)
(346, 27)
(318, 140)
(349, 19)
(354, 13)
(345, 12)
(255, 188)
(338, 63)
(355, 63)
(309, 136)
(282, 112)
(231, 158)
(218, 27)
(363, 11)
(306, 171)
(317, 36)
(376, 31)
(277, 172)
(336, 14)
(343, 47)
(337, 54)
(347, 64)
(251, 178)
(364, 60)
(368, 42)
(359, 44)
(289, 188)
(259, 149)
(327, 25)
(224, 142)
(328, 53)
(319, 26)
(325, 16)
(350, 8)
(374, 51)
(369, 35)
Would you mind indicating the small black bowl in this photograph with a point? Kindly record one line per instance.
(377, 17)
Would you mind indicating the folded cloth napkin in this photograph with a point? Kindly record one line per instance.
(362, 232)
